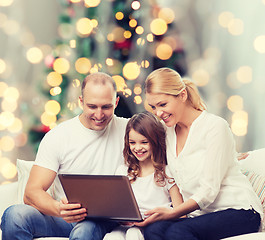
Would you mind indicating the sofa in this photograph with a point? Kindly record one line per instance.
(253, 167)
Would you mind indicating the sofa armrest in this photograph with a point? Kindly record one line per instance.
(8, 196)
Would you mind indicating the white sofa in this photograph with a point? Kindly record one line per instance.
(253, 166)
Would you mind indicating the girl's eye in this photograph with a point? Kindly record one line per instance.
(145, 142)
(163, 104)
(131, 142)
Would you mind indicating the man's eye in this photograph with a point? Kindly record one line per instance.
(106, 107)
(92, 107)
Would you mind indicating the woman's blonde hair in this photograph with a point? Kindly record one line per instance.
(168, 81)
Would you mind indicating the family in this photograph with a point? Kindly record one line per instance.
(180, 159)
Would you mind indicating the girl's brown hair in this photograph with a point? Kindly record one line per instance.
(149, 126)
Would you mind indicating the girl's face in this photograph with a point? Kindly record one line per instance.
(139, 146)
(167, 107)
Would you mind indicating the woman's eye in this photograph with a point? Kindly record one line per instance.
(163, 104)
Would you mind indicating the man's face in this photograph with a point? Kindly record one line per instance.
(99, 103)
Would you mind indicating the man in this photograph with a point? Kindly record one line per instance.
(90, 143)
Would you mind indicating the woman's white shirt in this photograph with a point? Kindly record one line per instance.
(207, 170)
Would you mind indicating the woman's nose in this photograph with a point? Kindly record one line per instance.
(159, 113)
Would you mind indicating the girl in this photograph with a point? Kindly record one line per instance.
(145, 157)
(202, 157)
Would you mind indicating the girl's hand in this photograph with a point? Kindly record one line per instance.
(156, 214)
(71, 212)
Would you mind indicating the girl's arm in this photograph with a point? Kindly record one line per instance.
(175, 195)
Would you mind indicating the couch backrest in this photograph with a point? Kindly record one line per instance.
(255, 161)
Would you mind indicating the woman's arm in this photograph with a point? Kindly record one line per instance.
(158, 214)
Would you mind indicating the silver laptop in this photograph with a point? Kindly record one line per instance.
(104, 196)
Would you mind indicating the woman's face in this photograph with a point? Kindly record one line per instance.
(167, 107)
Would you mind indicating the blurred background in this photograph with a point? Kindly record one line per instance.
(48, 47)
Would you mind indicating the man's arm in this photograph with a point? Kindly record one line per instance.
(40, 180)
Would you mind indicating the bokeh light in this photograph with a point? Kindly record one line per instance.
(48, 119)
(244, 74)
(52, 107)
(131, 70)
(119, 15)
(235, 103)
(224, 18)
(8, 169)
(120, 83)
(92, 3)
(135, 5)
(6, 3)
(11, 93)
(167, 14)
(236, 27)
(16, 126)
(3, 87)
(54, 79)
(259, 44)
(83, 65)
(7, 143)
(132, 23)
(201, 77)
(84, 26)
(34, 55)
(2, 65)
(61, 65)
(239, 123)
(164, 51)
(158, 26)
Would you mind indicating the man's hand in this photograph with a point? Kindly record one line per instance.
(71, 212)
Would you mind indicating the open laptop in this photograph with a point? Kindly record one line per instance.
(104, 196)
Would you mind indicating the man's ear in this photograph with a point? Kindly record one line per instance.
(117, 101)
(81, 100)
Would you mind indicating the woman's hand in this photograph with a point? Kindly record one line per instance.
(71, 212)
(156, 214)
(242, 156)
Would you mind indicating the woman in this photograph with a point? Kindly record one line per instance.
(218, 199)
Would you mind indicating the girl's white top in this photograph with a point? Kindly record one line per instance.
(147, 193)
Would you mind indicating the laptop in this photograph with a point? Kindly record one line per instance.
(104, 196)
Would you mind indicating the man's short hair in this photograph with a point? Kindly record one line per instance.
(99, 78)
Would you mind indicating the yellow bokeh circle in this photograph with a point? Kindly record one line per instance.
(131, 70)
(61, 65)
(158, 26)
(52, 107)
(54, 79)
(83, 65)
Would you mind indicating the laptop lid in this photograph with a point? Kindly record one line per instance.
(104, 196)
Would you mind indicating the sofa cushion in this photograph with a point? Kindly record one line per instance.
(258, 183)
(255, 161)
(23, 171)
